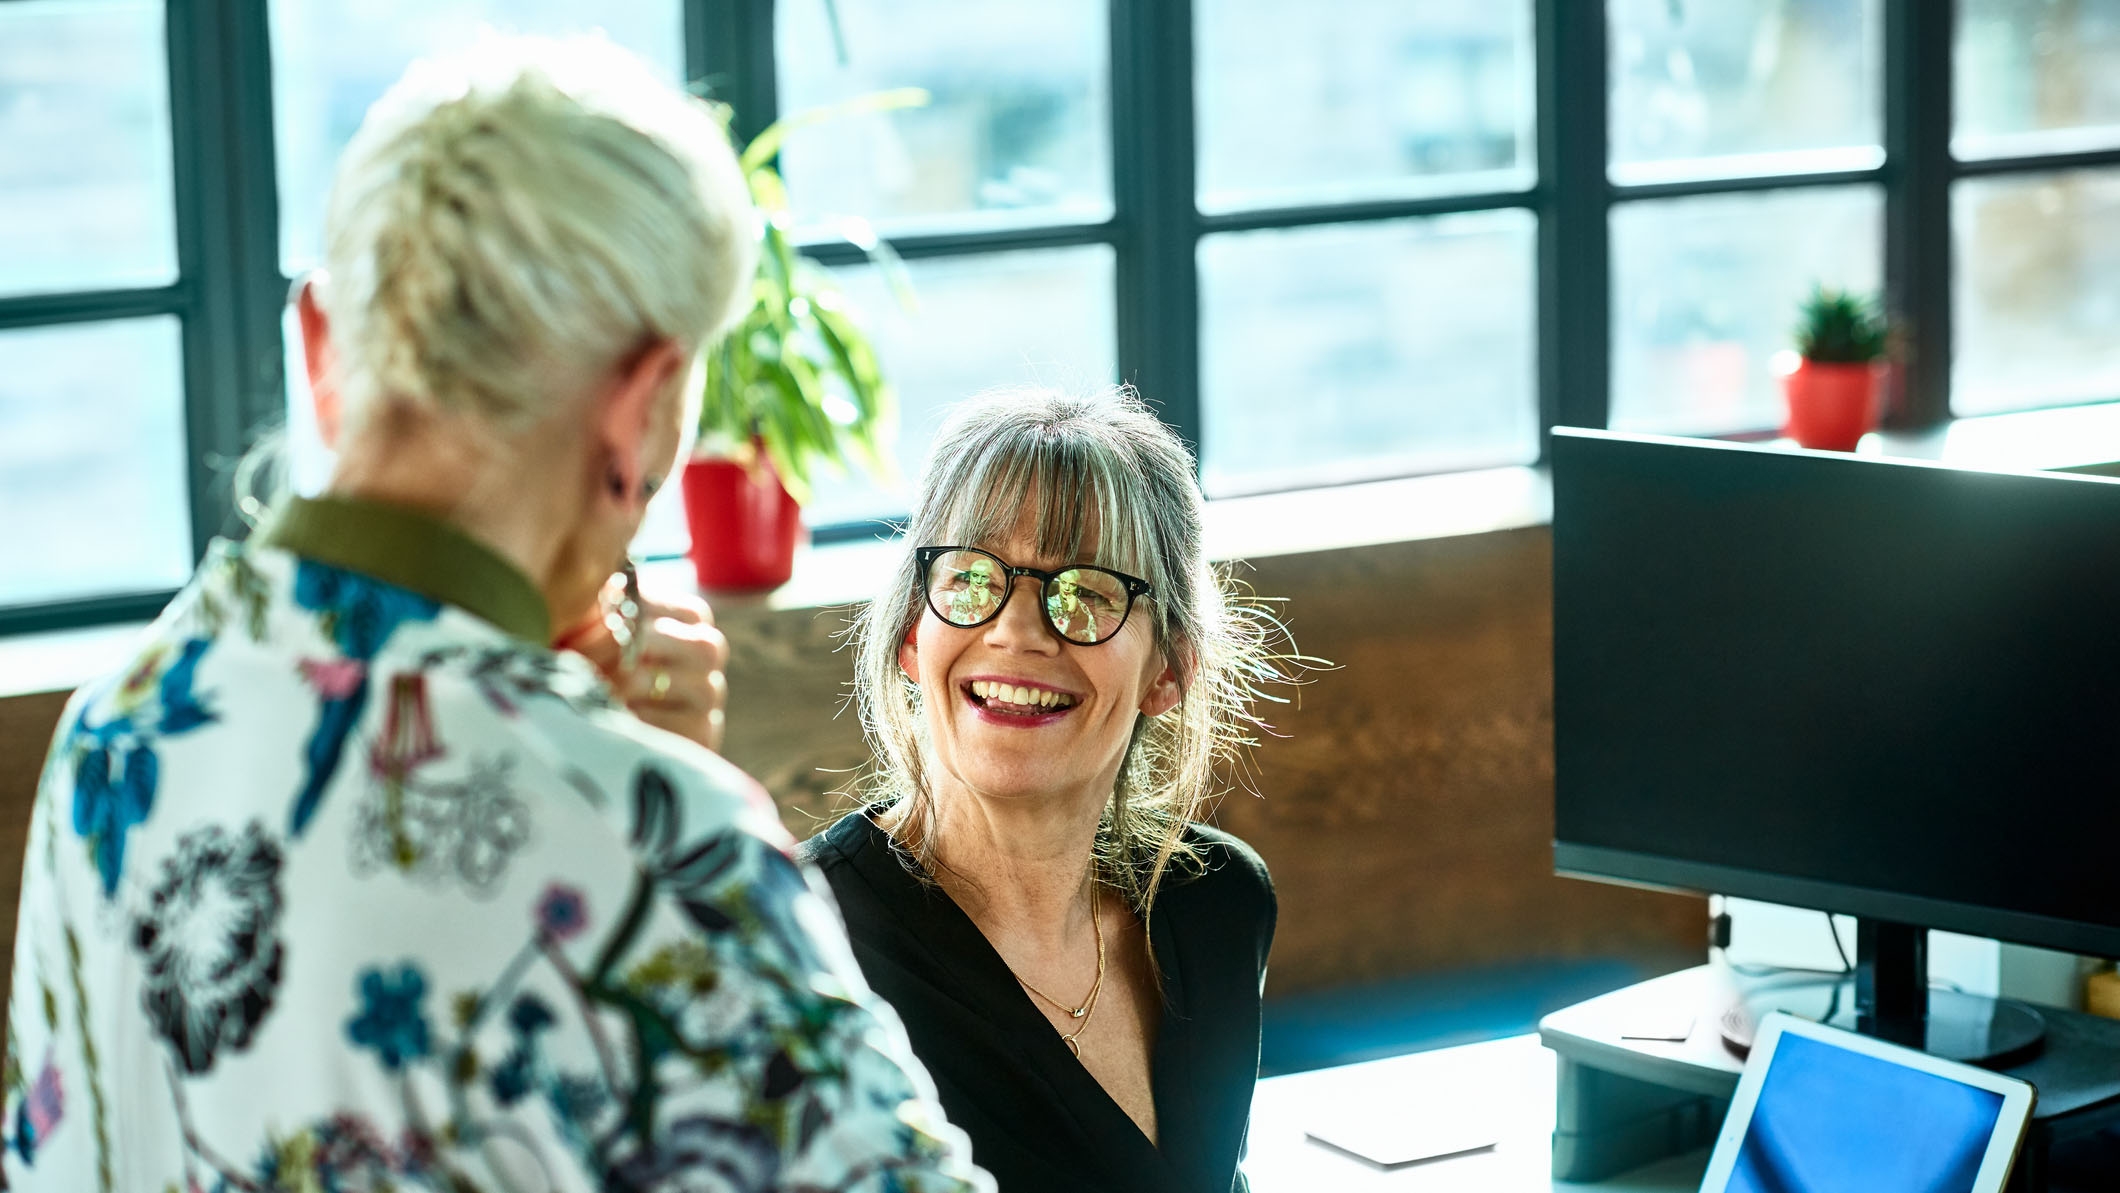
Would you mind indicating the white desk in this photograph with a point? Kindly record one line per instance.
(1514, 1076)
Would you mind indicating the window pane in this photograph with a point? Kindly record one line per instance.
(2036, 76)
(1739, 87)
(2037, 293)
(92, 471)
(979, 322)
(1307, 102)
(85, 191)
(1367, 350)
(331, 61)
(1705, 291)
(1015, 131)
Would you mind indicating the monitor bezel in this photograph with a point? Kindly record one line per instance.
(1626, 867)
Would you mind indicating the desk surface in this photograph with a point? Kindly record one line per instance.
(1513, 1076)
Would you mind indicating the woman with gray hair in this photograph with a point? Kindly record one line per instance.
(352, 880)
(1050, 680)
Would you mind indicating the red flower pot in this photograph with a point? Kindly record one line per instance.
(744, 525)
(1832, 405)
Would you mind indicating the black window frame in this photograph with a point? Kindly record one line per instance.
(230, 290)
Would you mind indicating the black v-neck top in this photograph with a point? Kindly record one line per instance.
(1037, 1119)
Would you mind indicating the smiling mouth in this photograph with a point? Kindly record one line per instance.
(1016, 701)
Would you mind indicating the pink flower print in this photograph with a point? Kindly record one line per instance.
(562, 914)
(408, 731)
(46, 1103)
(334, 679)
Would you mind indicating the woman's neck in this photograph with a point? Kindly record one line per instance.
(1015, 865)
(407, 458)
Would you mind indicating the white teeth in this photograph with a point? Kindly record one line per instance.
(1015, 694)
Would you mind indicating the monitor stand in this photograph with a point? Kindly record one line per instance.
(1889, 997)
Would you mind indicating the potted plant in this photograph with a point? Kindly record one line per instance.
(1835, 388)
(794, 385)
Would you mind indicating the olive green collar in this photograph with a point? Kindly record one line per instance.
(414, 551)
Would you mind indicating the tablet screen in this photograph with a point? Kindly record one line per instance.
(1830, 1120)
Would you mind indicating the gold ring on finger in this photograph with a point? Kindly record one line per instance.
(659, 684)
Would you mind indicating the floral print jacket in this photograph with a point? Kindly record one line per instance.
(340, 888)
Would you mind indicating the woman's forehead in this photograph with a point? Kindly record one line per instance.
(1036, 513)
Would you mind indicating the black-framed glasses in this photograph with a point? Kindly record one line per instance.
(1082, 603)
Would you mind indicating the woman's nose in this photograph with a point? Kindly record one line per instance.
(1021, 626)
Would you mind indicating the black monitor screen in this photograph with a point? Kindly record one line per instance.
(1879, 687)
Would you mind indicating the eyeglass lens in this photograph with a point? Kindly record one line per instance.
(1083, 604)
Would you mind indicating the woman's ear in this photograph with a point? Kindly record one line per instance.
(1167, 687)
(319, 360)
(627, 415)
(909, 655)
(1163, 694)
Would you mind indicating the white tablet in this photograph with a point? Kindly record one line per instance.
(1820, 1110)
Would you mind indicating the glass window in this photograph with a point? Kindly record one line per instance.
(1303, 103)
(1029, 318)
(2037, 291)
(331, 61)
(1706, 290)
(85, 192)
(1362, 350)
(1015, 131)
(975, 322)
(1735, 87)
(2036, 76)
(92, 460)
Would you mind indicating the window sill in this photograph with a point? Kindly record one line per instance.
(2079, 438)
(1327, 519)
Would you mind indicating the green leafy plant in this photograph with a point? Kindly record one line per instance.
(797, 374)
(1841, 327)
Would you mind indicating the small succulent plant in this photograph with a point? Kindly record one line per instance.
(1841, 327)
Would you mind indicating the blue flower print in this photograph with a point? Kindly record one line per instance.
(510, 1079)
(529, 1015)
(182, 708)
(116, 769)
(391, 1019)
(114, 790)
(359, 614)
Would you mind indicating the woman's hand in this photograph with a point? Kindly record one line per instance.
(677, 681)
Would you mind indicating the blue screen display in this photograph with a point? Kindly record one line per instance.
(1833, 1121)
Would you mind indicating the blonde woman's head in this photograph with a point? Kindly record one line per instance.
(526, 248)
(509, 225)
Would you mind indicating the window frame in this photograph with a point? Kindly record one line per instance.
(230, 291)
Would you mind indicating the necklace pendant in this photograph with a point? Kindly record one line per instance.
(1078, 1012)
(1072, 1046)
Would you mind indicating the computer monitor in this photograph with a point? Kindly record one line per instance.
(1884, 688)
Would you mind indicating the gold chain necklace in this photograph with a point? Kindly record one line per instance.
(1088, 1009)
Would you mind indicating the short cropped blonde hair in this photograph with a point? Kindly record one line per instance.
(1069, 468)
(509, 225)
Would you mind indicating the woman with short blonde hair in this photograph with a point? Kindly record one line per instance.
(352, 880)
(1053, 679)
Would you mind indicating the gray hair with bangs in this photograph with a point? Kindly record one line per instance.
(1098, 464)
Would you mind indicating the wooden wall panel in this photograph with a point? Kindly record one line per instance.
(26, 724)
(1408, 814)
